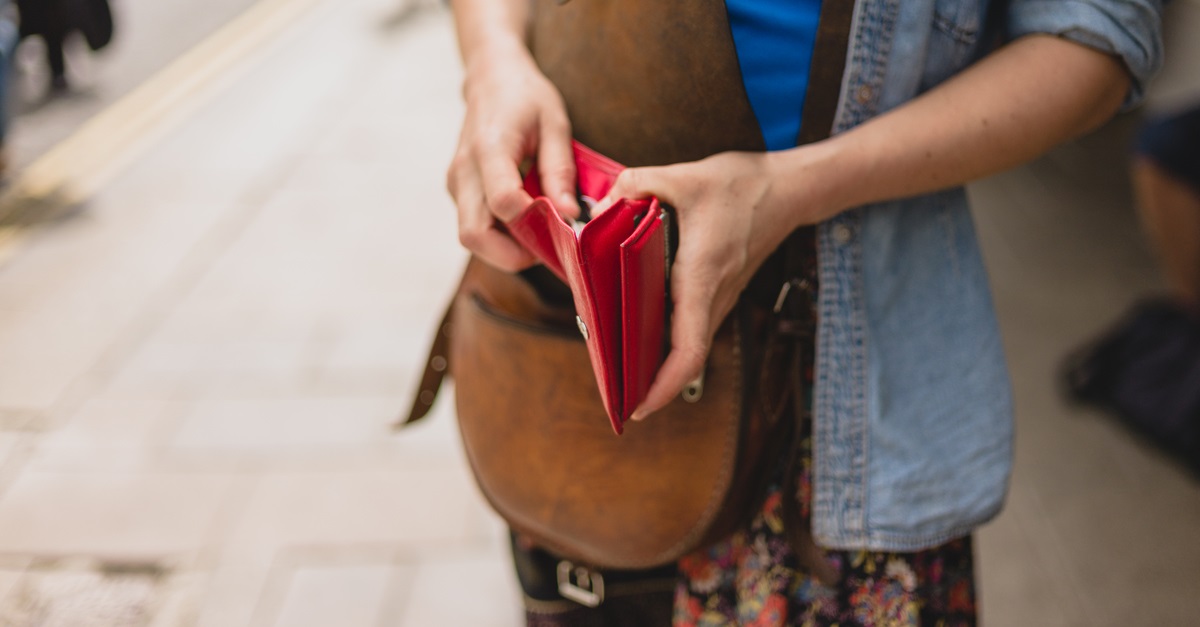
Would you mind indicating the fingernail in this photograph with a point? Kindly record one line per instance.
(638, 415)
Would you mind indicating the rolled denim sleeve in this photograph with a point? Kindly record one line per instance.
(1128, 29)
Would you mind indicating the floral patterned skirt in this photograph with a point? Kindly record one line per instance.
(753, 578)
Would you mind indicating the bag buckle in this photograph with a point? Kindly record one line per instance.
(579, 584)
(694, 390)
(786, 290)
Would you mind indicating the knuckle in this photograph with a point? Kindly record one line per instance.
(556, 124)
(695, 353)
(461, 159)
(461, 172)
(508, 264)
(491, 142)
(470, 238)
(560, 172)
(506, 203)
(631, 177)
(627, 182)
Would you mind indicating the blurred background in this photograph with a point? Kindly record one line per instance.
(224, 242)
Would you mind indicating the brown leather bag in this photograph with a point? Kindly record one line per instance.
(533, 426)
(543, 451)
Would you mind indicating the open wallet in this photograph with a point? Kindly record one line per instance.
(617, 267)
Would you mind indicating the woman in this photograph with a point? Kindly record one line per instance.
(1166, 178)
(911, 432)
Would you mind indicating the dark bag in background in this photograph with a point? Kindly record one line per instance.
(1146, 370)
(94, 20)
(53, 19)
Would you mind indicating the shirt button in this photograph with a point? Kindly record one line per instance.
(842, 234)
(864, 94)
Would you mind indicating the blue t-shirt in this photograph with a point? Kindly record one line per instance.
(774, 40)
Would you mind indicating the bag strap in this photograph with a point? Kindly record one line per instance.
(437, 365)
(793, 308)
(826, 70)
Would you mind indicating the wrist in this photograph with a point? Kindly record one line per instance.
(490, 29)
(498, 48)
(500, 67)
(812, 183)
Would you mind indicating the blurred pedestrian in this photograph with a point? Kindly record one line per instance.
(1166, 178)
(9, 35)
(1146, 370)
(55, 20)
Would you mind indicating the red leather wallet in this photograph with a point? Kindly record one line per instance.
(616, 266)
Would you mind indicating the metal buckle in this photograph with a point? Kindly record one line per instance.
(786, 290)
(694, 390)
(585, 587)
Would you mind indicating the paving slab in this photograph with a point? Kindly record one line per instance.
(349, 596)
(69, 599)
(418, 511)
(113, 514)
(8, 582)
(464, 590)
(178, 599)
(119, 435)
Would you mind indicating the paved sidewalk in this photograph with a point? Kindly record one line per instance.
(202, 364)
(200, 367)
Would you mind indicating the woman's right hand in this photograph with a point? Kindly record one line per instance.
(513, 114)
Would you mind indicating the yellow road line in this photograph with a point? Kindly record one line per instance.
(81, 164)
(8, 240)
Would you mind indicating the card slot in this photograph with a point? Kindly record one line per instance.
(600, 255)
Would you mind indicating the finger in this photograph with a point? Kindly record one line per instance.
(634, 183)
(503, 189)
(477, 228)
(499, 250)
(691, 337)
(556, 165)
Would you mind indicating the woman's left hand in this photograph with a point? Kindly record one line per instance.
(734, 209)
(730, 220)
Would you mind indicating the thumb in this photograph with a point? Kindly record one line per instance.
(631, 183)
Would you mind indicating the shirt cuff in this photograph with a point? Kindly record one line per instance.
(1130, 30)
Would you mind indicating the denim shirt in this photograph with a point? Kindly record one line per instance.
(913, 420)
